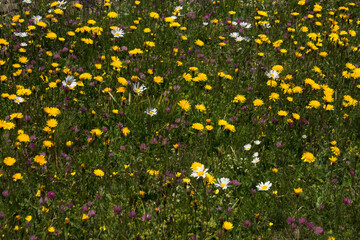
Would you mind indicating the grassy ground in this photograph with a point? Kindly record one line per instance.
(180, 120)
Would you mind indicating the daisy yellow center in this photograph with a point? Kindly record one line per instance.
(223, 185)
(264, 187)
(200, 173)
(150, 112)
(137, 90)
(117, 34)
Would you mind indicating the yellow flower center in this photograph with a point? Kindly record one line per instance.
(264, 187)
(223, 185)
(200, 173)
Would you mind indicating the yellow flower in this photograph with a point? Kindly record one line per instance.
(112, 15)
(52, 123)
(332, 159)
(9, 161)
(51, 35)
(158, 79)
(199, 43)
(154, 15)
(323, 54)
(239, 98)
(209, 127)
(96, 132)
(258, 102)
(17, 176)
(210, 179)
(335, 150)
(198, 126)
(52, 111)
(298, 190)
(314, 104)
(125, 131)
(99, 173)
(227, 225)
(262, 13)
(185, 105)
(48, 143)
(200, 107)
(186, 180)
(282, 113)
(40, 159)
(28, 218)
(230, 127)
(308, 157)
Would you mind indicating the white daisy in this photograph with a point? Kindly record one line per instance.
(36, 18)
(245, 25)
(264, 186)
(62, 4)
(69, 82)
(23, 44)
(255, 160)
(266, 25)
(199, 172)
(234, 23)
(247, 147)
(257, 142)
(222, 182)
(26, 1)
(256, 154)
(178, 8)
(205, 23)
(234, 34)
(151, 111)
(21, 34)
(18, 100)
(118, 32)
(272, 74)
(139, 89)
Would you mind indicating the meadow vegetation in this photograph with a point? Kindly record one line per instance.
(198, 119)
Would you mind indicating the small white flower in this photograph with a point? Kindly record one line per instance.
(234, 34)
(264, 186)
(118, 32)
(205, 23)
(36, 18)
(247, 147)
(18, 100)
(23, 44)
(272, 74)
(178, 8)
(257, 142)
(151, 111)
(21, 34)
(69, 82)
(62, 4)
(304, 136)
(26, 1)
(256, 154)
(234, 23)
(199, 172)
(245, 25)
(255, 160)
(266, 25)
(139, 89)
(174, 17)
(222, 182)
